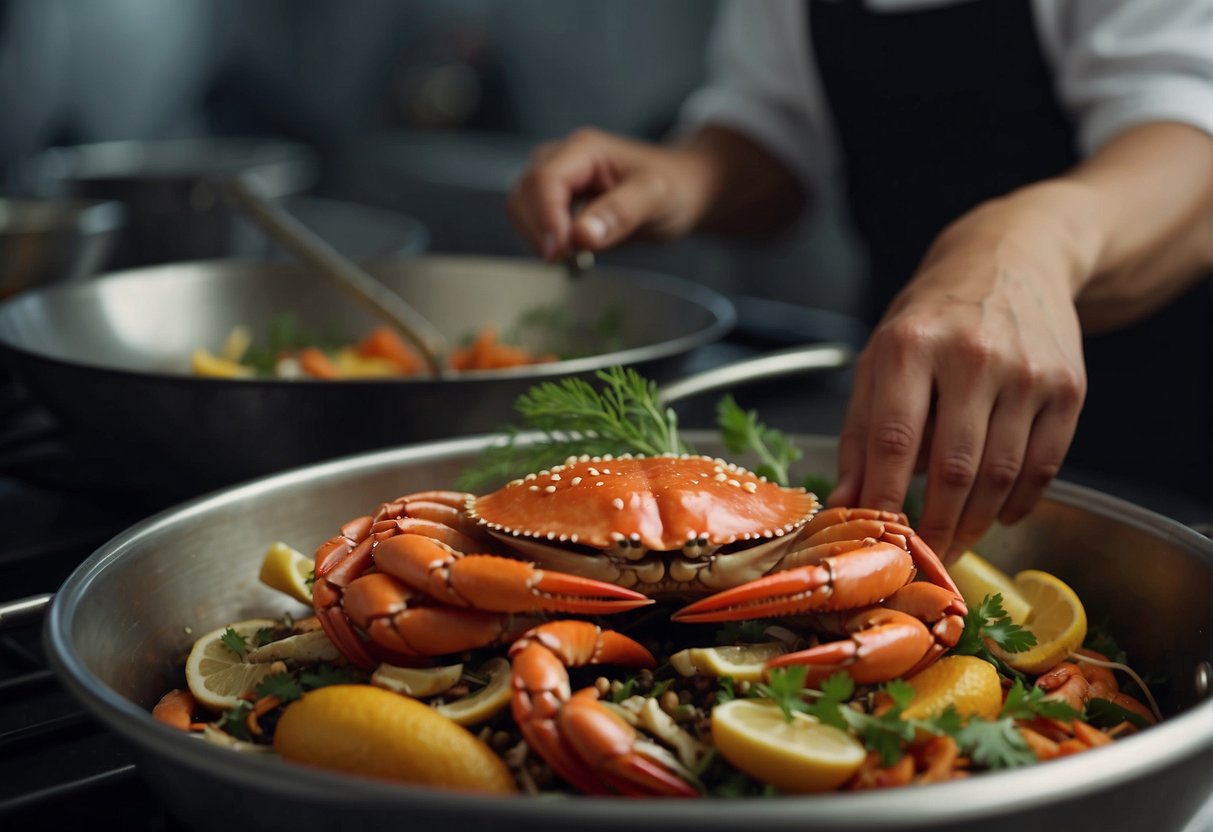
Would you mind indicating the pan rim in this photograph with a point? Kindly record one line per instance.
(1176, 739)
(713, 303)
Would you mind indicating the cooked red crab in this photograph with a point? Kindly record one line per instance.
(441, 572)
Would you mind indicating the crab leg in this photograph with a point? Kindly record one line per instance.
(490, 582)
(583, 742)
(887, 641)
(862, 573)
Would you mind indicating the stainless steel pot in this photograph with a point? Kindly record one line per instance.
(120, 618)
(111, 357)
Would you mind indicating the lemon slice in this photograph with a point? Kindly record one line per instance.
(1057, 619)
(485, 703)
(741, 661)
(363, 729)
(217, 676)
(288, 570)
(976, 578)
(205, 363)
(968, 683)
(799, 756)
(418, 682)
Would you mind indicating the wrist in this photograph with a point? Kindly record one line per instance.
(1053, 225)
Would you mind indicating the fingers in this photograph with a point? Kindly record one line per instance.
(622, 186)
(539, 204)
(994, 436)
(883, 430)
(617, 214)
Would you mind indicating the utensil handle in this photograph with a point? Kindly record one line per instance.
(314, 251)
(22, 610)
(771, 365)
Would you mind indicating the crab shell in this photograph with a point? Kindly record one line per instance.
(657, 503)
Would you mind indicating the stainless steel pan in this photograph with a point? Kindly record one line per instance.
(111, 357)
(118, 620)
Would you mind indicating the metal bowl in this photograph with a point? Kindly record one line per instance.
(118, 621)
(44, 241)
(175, 212)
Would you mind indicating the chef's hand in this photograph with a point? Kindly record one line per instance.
(975, 374)
(625, 188)
(593, 190)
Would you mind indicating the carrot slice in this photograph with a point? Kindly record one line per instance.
(316, 363)
(385, 342)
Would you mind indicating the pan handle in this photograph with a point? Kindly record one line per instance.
(22, 610)
(771, 365)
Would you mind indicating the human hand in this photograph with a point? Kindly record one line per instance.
(975, 374)
(626, 188)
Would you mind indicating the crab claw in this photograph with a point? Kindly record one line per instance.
(494, 583)
(883, 644)
(857, 577)
(582, 741)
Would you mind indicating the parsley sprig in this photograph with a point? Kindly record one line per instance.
(741, 431)
(988, 620)
(991, 743)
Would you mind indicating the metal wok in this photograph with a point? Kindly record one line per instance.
(110, 358)
(117, 622)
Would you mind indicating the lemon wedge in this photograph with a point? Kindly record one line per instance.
(741, 661)
(485, 703)
(977, 578)
(288, 570)
(1057, 619)
(968, 683)
(798, 756)
(418, 682)
(363, 729)
(218, 676)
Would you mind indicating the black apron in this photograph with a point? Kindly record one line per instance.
(940, 109)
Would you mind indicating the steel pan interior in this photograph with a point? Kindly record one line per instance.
(111, 357)
(119, 620)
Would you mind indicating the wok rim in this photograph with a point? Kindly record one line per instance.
(1178, 737)
(717, 305)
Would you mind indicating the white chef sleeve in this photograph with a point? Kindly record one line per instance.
(1125, 62)
(760, 83)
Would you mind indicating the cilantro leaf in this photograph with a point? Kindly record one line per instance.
(232, 722)
(988, 620)
(995, 743)
(785, 686)
(235, 642)
(1029, 702)
(750, 631)
(283, 685)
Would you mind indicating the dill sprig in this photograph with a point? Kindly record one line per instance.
(571, 418)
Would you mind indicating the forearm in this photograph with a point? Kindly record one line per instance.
(740, 189)
(1129, 229)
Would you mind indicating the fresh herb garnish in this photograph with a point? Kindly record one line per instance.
(282, 685)
(232, 721)
(785, 686)
(988, 620)
(741, 431)
(235, 642)
(573, 418)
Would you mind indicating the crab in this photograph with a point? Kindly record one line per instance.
(441, 572)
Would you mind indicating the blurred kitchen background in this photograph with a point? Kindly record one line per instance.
(424, 107)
